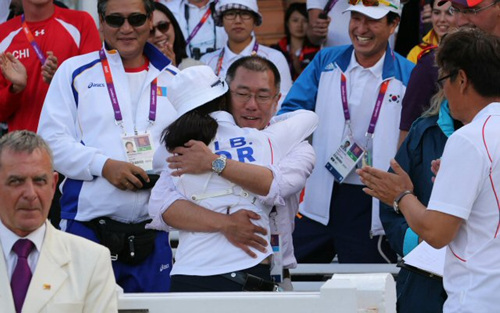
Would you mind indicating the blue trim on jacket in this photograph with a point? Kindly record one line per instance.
(69, 203)
(77, 72)
(326, 60)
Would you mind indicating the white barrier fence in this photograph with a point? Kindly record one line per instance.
(344, 293)
(324, 271)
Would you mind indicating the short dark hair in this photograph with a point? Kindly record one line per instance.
(477, 54)
(179, 42)
(257, 64)
(102, 4)
(24, 141)
(391, 17)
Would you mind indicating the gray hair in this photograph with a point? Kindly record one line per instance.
(24, 141)
(102, 4)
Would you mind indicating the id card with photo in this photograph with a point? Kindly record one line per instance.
(277, 268)
(140, 150)
(345, 159)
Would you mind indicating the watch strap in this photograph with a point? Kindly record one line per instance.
(399, 198)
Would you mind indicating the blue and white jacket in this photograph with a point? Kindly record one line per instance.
(78, 123)
(318, 89)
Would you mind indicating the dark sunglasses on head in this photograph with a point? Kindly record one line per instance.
(372, 3)
(135, 20)
(161, 26)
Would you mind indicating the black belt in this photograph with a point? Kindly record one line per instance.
(250, 282)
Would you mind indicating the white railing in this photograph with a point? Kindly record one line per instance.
(344, 293)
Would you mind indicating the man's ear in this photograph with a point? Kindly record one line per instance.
(277, 100)
(394, 24)
(463, 80)
(101, 22)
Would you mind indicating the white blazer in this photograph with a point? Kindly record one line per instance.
(73, 275)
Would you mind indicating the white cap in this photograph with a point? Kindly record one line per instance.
(224, 5)
(193, 87)
(379, 11)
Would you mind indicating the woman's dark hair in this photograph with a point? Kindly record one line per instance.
(196, 124)
(179, 42)
(296, 6)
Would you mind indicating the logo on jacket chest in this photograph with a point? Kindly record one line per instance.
(244, 151)
(40, 32)
(394, 98)
(21, 53)
(91, 85)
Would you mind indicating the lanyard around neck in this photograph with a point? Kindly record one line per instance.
(329, 5)
(112, 93)
(204, 18)
(376, 109)
(31, 39)
(221, 56)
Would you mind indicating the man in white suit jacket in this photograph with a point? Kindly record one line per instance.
(70, 273)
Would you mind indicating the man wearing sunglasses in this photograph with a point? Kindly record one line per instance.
(239, 18)
(33, 50)
(356, 91)
(95, 105)
(196, 20)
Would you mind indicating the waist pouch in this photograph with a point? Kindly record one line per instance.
(250, 282)
(129, 243)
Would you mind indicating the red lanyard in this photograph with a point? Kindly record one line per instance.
(221, 56)
(376, 109)
(204, 18)
(112, 93)
(32, 41)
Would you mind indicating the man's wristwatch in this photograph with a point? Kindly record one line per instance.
(398, 199)
(219, 164)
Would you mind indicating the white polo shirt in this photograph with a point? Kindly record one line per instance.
(468, 186)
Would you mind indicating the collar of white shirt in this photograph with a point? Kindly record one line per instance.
(376, 69)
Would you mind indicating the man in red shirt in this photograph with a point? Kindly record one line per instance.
(49, 36)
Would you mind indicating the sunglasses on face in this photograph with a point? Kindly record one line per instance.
(161, 26)
(372, 3)
(135, 20)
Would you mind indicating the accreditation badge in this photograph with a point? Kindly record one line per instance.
(345, 159)
(140, 150)
(276, 244)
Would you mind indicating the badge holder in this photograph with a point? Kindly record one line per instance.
(277, 268)
(345, 159)
(139, 150)
(276, 244)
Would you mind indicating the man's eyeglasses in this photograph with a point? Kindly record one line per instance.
(135, 20)
(471, 11)
(372, 3)
(244, 97)
(161, 26)
(231, 14)
(441, 80)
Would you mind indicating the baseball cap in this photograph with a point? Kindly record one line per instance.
(225, 5)
(375, 9)
(465, 3)
(193, 87)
